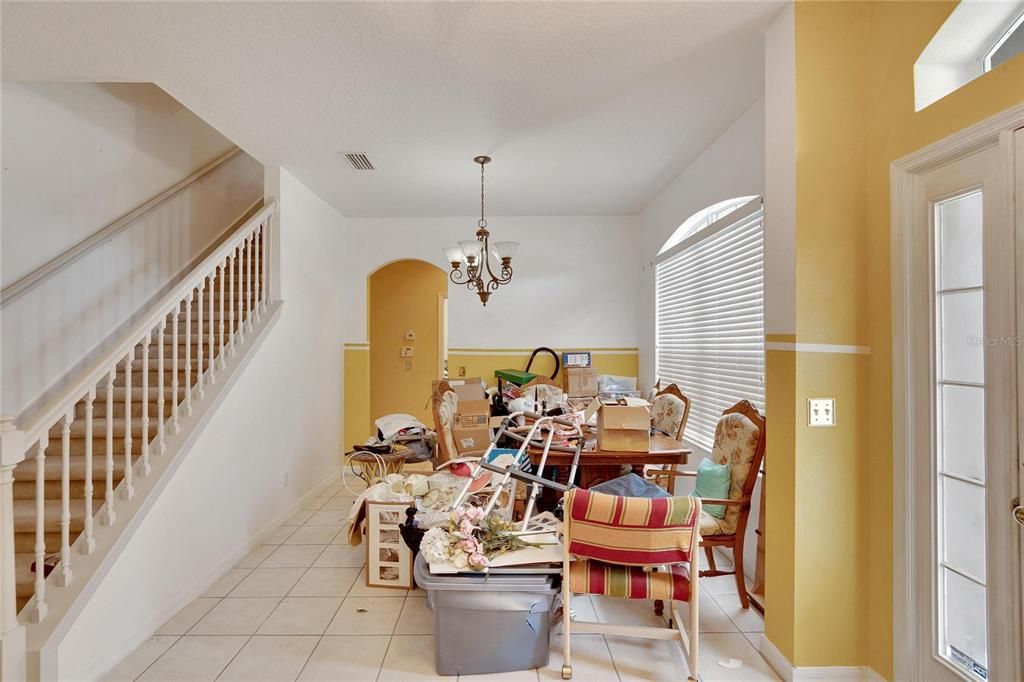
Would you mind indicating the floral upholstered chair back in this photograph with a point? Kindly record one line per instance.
(739, 443)
(670, 410)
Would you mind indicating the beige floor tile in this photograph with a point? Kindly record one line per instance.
(591, 660)
(647, 659)
(626, 611)
(328, 517)
(339, 503)
(312, 535)
(301, 616)
(342, 556)
(183, 620)
(746, 620)
(410, 657)
(227, 582)
(137, 661)
(270, 658)
(293, 556)
(298, 518)
(279, 535)
(236, 616)
(720, 584)
(332, 489)
(314, 503)
(712, 618)
(195, 658)
(515, 676)
(416, 618)
(360, 589)
(366, 616)
(723, 647)
(325, 582)
(346, 659)
(583, 608)
(256, 556)
(268, 582)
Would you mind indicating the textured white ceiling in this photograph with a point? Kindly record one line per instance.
(587, 108)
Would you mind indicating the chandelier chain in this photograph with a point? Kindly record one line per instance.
(482, 220)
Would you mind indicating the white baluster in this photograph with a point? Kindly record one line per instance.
(175, 426)
(220, 326)
(65, 575)
(199, 343)
(211, 337)
(40, 606)
(88, 541)
(161, 418)
(239, 326)
(109, 515)
(258, 281)
(129, 489)
(251, 289)
(145, 404)
(12, 632)
(188, 353)
(231, 301)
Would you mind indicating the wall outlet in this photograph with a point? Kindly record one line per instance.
(408, 365)
(410, 335)
(408, 351)
(821, 412)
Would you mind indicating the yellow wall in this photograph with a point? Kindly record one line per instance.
(357, 394)
(830, 558)
(404, 296)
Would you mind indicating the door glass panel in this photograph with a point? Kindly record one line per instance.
(959, 555)
(962, 439)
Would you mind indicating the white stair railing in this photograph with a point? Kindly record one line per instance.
(246, 247)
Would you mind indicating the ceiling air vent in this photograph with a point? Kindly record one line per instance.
(358, 161)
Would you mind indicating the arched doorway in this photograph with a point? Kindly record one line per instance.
(405, 301)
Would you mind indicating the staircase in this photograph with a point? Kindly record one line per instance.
(77, 460)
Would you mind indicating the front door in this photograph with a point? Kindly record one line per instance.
(966, 356)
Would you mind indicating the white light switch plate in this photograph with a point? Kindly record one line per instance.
(821, 412)
(407, 351)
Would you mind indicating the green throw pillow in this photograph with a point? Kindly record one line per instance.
(713, 481)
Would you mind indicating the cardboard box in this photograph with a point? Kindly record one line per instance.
(470, 389)
(624, 428)
(579, 382)
(470, 427)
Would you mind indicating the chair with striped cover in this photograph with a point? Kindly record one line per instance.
(635, 548)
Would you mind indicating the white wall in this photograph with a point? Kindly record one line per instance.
(733, 165)
(574, 282)
(282, 418)
(76, 157)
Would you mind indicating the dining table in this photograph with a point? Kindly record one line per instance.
(598, 464)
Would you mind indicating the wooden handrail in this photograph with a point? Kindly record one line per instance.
(23, 285)
(50, 413)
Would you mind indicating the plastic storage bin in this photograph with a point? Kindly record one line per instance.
(489, 623)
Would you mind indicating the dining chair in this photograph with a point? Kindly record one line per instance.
(632, 548)
(670, 410)
(739, 443)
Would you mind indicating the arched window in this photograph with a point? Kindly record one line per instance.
(709, 312)
(702, 218)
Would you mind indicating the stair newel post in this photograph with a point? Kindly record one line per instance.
(145, 404)
(188, 353)
(160, 381)
(129, 489)
(12, 632)
(220, 324)
(40, 548)
(264, 263)
(88, 541)
(211, 337)
(109, 515)
(199, 339)
(175, 426)
(231, 301)
(65, 575)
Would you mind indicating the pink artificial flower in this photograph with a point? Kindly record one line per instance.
(470, 546)
(478, 560)
(466, 527)
(475, 514)
(458, 514)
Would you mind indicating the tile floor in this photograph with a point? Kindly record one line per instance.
(297, 608)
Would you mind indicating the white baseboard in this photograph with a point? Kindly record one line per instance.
(790, 673)
(145, 629)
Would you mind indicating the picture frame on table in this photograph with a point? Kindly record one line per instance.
(388, 559)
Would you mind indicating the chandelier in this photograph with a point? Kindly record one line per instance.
(476, 253)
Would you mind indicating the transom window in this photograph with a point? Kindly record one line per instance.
(709, 321)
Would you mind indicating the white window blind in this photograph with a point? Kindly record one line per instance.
(709, 337)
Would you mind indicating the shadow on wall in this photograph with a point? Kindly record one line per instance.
(404, 300)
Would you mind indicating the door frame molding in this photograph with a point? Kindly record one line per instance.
(906, 194)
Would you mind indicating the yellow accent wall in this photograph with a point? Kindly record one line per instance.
(829, 514)
(357, 394)
(403, 296)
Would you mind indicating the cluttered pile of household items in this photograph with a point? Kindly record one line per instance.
(538, 491)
